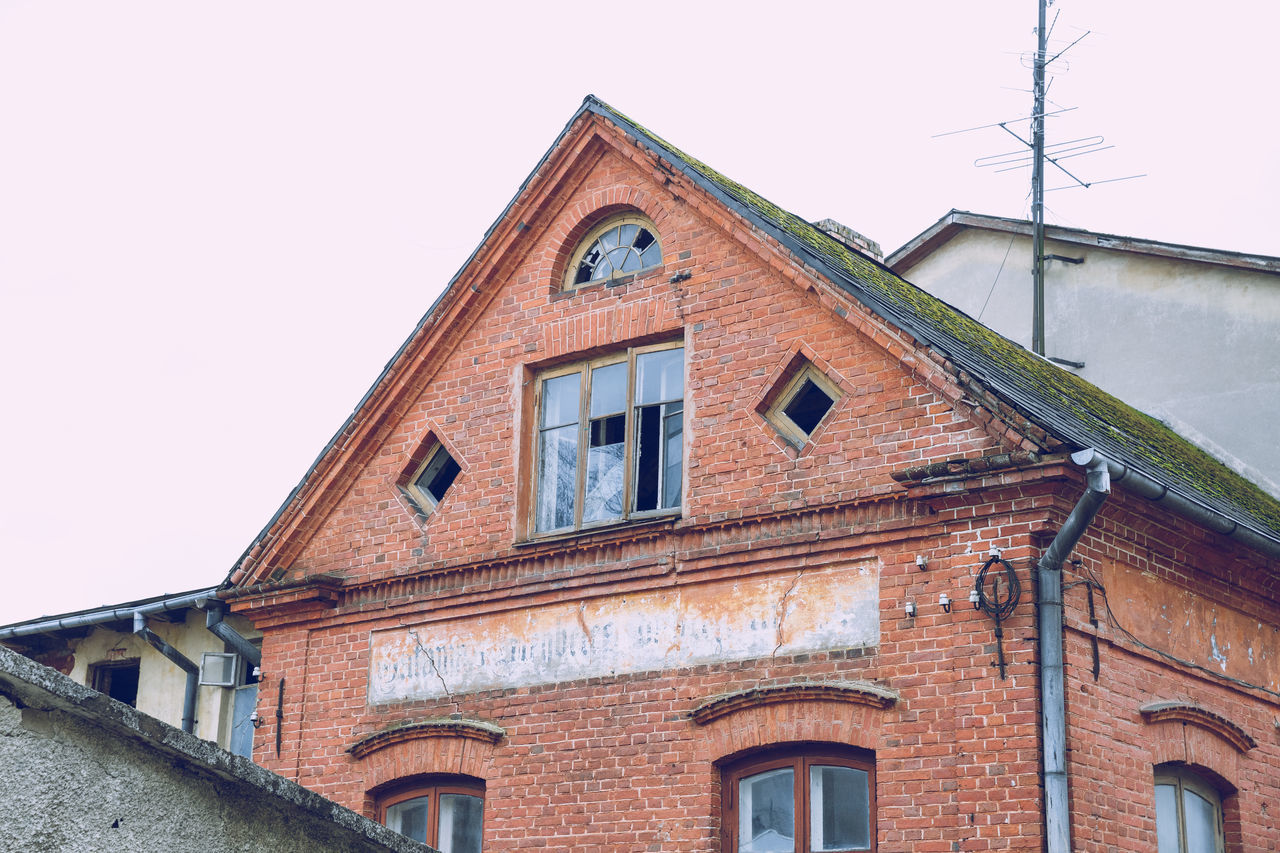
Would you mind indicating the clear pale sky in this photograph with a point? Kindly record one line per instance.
(218, 221)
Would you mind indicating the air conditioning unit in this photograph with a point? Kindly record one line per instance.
(220, 669)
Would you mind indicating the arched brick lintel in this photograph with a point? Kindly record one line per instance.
(851, 714)
(1188, 734)
(432, 747)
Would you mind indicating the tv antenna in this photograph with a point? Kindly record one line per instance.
(1036, 153)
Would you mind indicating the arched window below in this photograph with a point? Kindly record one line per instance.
(446, 812)
(1188, 812)
(619, 246)
(818, 797)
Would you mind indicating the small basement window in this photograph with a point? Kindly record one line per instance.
(429, 483)
(803, 404)
(619, 246)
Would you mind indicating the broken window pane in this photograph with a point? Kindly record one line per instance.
(594, 458)
(625, 248)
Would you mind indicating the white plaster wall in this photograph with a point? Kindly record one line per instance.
(1196, 345)
(162, 683)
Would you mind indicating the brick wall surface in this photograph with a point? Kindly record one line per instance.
(617, 763)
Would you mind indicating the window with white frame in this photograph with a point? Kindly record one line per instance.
(1188, 812)
(609, 443)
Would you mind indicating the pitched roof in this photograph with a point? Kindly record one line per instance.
(1058, 401)
(957, 221)
(1062, 404)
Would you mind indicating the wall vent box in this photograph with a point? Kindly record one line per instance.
(218, 669)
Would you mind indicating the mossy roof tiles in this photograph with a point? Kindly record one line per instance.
(1056, 400)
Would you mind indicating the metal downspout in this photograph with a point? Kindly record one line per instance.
(1053, 710)
(213, 621)
(193, 672)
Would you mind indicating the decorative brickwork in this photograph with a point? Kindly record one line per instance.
(917, 460)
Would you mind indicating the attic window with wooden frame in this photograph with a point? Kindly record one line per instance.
(619, 246)
(802, 404)
(609, 444)
(433, 478)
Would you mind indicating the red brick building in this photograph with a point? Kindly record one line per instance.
(660, 533)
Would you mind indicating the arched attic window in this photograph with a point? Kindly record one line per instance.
(619, 246)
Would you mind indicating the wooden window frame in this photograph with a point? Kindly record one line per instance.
(777, 415)
(629, 356)
(585, 245)
(426, 501)
(1182, 778)
(430, 788)
(800, 759)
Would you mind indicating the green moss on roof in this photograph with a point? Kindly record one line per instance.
(1058, 401)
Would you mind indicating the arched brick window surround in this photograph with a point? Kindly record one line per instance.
(593, 209)
(850, 713)
(1208, 743)
(427, 748)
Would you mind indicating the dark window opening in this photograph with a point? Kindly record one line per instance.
(118, 680)
(800, 407)
(433, 479)
(808, 406)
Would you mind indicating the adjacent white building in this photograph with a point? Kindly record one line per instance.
(1188, 335)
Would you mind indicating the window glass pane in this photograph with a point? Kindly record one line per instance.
(1200, 818)
(609, 239)
(673, 436)
(839, 809)
(1167, 819)
(560, 400)
(461, 823)
(628, 234)
(409, 818)
(603, 499)
(557, 477)
(767, 812)
(808, 406)
(660, 376)
(644, 240)
(631, 261)
(609, 389)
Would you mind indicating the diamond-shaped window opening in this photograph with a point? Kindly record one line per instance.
(428, 485)
(802, 404)
(618, 247)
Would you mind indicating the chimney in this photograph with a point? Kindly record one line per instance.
(850, 238)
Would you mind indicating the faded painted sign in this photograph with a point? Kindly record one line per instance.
(806, 610)
(1196, 629)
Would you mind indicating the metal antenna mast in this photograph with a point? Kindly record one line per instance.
(1037, 190)
(1040, 154)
